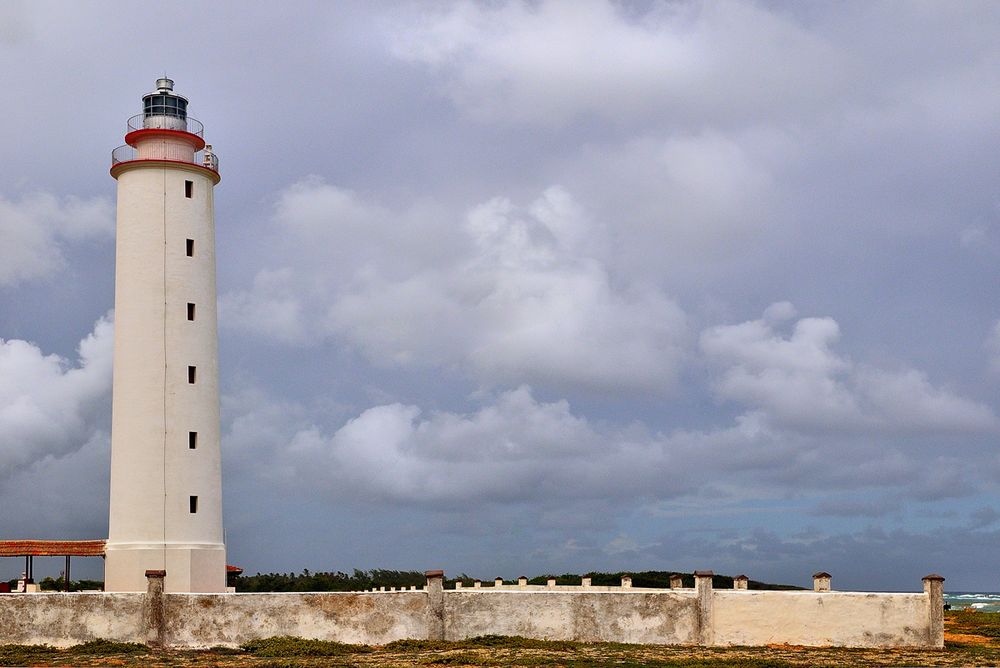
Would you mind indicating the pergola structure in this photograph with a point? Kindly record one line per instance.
(29, 549)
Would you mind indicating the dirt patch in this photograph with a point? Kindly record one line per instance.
(973, 640)
(967, 638)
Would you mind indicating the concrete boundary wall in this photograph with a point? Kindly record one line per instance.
(660, 617)
(848, 619)
(60, 619)
(204, 620)
(691, 616)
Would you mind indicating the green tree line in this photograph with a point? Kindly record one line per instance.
(361, 580)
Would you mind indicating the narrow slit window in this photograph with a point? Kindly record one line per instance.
(192, 373)
(190, 247)
(193, 504)
(188, 189)
(192, 440)
(190, 311)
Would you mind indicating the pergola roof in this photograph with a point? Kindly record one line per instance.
(52, 548)
(64, 548)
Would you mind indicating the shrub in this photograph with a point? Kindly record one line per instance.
(281, 646)
(102, 647)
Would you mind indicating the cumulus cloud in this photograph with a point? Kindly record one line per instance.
(50, 407)
(330, 237)
(271, 308)
(523, 295)
(527, 304)
(683, 204)
(560, 60)
(515, 449)
(37, 226)
(799, 380)
(341, 231)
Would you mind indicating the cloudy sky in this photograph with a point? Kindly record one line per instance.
(526, 287)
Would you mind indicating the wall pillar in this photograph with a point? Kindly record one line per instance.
(154, 619)
(934, 588)
(821, 581)
(740, 582)
(677, 581)
(435, 594)
(703, 589)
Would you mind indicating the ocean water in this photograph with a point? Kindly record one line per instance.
(984, 601)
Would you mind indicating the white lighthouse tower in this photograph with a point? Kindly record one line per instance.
(166, 483)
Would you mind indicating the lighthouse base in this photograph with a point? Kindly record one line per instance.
(190, 568)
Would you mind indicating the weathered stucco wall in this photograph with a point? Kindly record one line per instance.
(652, 616)
(61, 619)
(847, 619)
(636, 617)
(204, 620)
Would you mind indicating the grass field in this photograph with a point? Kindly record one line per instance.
(971, 639)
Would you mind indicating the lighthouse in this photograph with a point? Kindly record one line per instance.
(166, 482)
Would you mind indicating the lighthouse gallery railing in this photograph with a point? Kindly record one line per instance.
(126, 153)
(188, 124)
